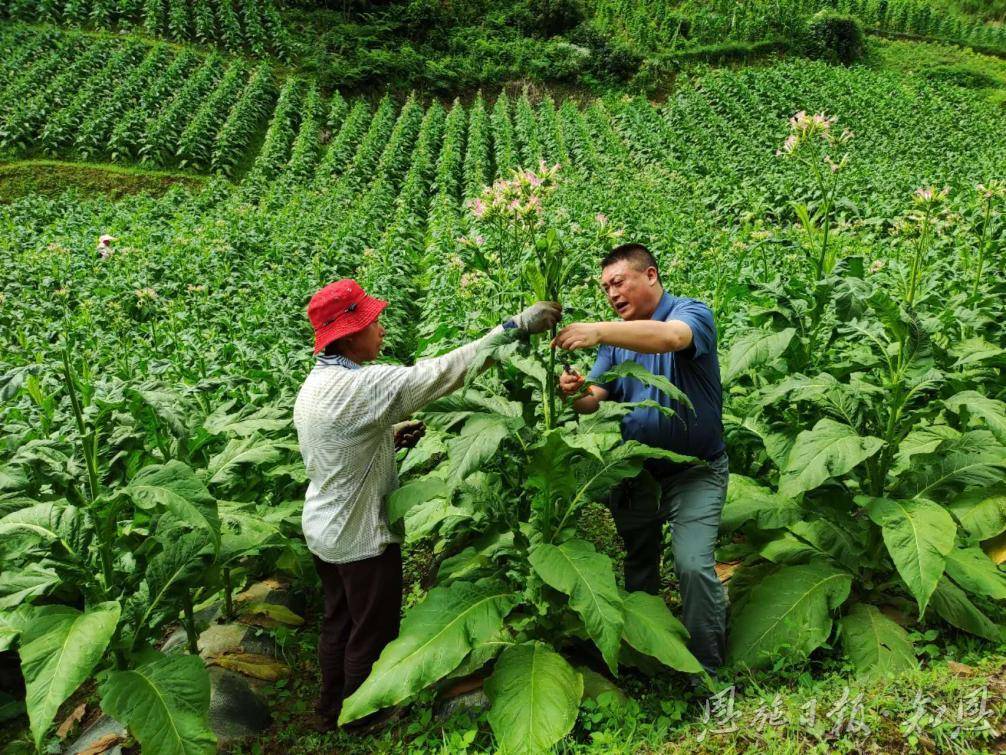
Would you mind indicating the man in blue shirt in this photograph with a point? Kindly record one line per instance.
(674, 337)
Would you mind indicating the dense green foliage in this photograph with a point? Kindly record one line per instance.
(835, 37)
(660, 25)
(125, 101)
(255, 25)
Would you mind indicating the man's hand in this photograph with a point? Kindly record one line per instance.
(579, 335)
(408, 433)
(570, 383)
(539, 317)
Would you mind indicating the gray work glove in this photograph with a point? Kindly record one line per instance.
(539, 317)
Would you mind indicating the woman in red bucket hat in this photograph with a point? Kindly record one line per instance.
(350, 416)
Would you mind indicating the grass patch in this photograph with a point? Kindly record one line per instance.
(52, 178)
(939, 62)
(955, 703)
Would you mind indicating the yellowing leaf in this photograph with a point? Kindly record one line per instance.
(255, 665)
(996, 548)
(269, 615)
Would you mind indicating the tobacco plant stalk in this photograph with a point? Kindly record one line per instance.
(88, 443)
(190, 623)
(982, 244)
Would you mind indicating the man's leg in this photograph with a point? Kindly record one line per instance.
(374, 594)
(696, 498)
(635, 507)
(335, 626)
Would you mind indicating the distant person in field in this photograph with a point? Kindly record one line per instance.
(674, 337)
(105, 249)
(351, 417)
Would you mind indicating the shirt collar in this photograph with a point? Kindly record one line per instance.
(337, 360)
(664, 307)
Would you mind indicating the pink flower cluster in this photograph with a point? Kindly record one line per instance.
(801, 122)
(929, 195)
(994, 189)
(803, 128)
(516, 197)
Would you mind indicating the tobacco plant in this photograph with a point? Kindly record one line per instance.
(874, 413)
(148, 508)
(499, 485)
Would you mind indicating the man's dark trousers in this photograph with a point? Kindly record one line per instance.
(363, 604)
(692, 500)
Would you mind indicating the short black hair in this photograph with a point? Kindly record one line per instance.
(639, 255)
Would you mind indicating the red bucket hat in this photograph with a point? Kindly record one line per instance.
(341, 309)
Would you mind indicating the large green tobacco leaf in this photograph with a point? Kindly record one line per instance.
(453, 408)
(13, 478)
(809, 538)
(876, 645)
(244, 532)
(164, 404)
(830, 449)
(59, 649)
(802, 388)
(532, 368)
(244, 423)
(978, 405)
(974, 460)
(427, 517)
(974, 350)
(230, 465)
(176, 488)
(48, 460)
(14, 621)
(918, 534)
(164, 702)
(481, 654)
(651, 628)
(636, 371)
(787, 548)
(753, 349)
(51, 522)
(586, 576)
(548, 469)
(843, 540)
(429, 447)
(981, 512)
(749, 501)
(180, 563)
(953, 606)
(435, 637)
(476, 556)
(414, 493)
(12, 380)
(777, 444)
(535, 697)
(789, 612)
(497, 347)
(478, 442)
(624, 461)
(973, 570)
(922, 440)
(19, 585)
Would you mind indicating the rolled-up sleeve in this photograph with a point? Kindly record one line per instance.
(699, 318)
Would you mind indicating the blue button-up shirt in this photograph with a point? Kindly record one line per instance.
(695, 370)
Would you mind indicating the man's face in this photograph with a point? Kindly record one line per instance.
(632, 293)
(366, 344)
